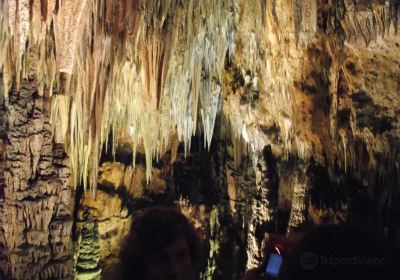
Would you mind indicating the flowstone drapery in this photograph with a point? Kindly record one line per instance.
(300, 88)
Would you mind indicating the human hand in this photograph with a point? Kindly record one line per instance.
(283, 243)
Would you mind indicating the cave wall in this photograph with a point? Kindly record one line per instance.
(3, 252)
(195, 183)
(36, 198)
(300, 98)
(233, 205)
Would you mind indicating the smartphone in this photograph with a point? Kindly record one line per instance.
(274, 264)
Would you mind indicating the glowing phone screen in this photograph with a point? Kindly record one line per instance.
(274, 265)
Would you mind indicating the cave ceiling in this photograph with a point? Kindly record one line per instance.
(252, 116)
(314, 80)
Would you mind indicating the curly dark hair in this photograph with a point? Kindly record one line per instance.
(156, 228)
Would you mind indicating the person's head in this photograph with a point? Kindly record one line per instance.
(162, 244)
(336, 252)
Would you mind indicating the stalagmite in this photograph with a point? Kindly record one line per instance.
(291, 107)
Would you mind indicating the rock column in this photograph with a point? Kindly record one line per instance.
(262, 206)
(36, 197)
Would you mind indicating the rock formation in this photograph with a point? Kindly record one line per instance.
(36, 195)
(255, 117)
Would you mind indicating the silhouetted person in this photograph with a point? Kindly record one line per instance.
(162, 244)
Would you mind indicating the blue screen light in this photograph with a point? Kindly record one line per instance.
(274, 264)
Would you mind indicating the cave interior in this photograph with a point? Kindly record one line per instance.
(253, 117)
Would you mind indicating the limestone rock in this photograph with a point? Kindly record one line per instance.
(35, 196)
(88, 253)
(297, 102)
(103, 206)
(157, 185)
(112, 222)
(135, 180)
(111, 174)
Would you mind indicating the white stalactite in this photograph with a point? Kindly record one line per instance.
(69, 24)
(163, 67)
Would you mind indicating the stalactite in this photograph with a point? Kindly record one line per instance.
(172, 103)
(309, 20)
(343, 136)
(22, 25)
(394, 14)
(5, 39)
(304, 20)
(156, 42)
(3, 34)
(69, 24)
(287, 75)
(297, 13)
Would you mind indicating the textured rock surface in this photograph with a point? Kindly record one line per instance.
(36, 196)
(263, 205)
(88, 251)
(301, 98)
(3, 250)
